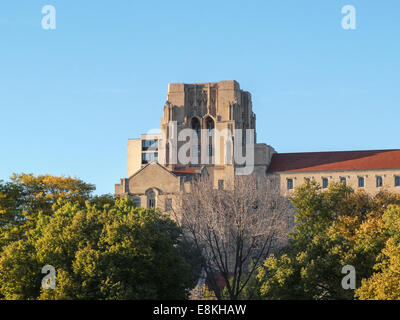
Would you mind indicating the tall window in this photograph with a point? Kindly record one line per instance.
(195, 125)
(361, 182)
(397, 181)
(210, 150)
(151, 198)
(220, 184)
(168, 204)
(343, 180)
(167, 153)
(325, 183)
(379, 181)
(290, 184)
(209, 124)
(307, 180)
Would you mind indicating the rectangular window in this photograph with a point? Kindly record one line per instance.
(149, 157)
(325, 183)
(136, 201)
(151, 145)
(379, 181)
(307, 180)
(220, 184)
(361, 182)
(397, 181)
(168, 204)
(343, 180)
(290, 184)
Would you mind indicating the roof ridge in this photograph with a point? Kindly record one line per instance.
(152, 163)
(336, 161)
(339, 151)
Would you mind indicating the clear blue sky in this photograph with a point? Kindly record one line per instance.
(71, 97)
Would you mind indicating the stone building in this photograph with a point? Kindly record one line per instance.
(155, 172)
(371, 171)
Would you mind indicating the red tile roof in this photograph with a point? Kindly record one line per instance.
(184, 171)
(336, 161)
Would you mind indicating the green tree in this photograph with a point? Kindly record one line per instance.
(333, 228)
(115, 252)
(384, 284)
(26, 197)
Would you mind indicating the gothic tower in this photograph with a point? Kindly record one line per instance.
(216, 105)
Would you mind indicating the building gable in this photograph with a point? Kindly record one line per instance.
(153, 175)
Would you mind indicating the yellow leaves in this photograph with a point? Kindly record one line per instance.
(381, 286)
(336, 227)
(372, 225)
(48, 196)
(274, 272)
(344, 228)
(385, 283)
(86, 262)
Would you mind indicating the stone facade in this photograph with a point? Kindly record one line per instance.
(371, 170)
(369, 182)
(153, 179)
(220, 106)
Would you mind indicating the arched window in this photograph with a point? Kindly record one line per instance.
(379, 181)
(151, 198)
(209, 124)
(195, 125)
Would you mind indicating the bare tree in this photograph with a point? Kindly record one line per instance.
(234, 229)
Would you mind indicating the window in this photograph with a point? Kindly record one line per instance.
(379, 181)
(168, 204)
(220, 184)
(290, 184)
(209, 124)
(167, 153)
(361, 182)
(151, 198)
(397, 181)
(343, 180)
(151, 144)
(307, 180)
(210, 150)
(325, 183)
(195, 124)
(136, 201)
(149, 157)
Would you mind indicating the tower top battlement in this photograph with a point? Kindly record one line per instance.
(223, 85)
(222, 100)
